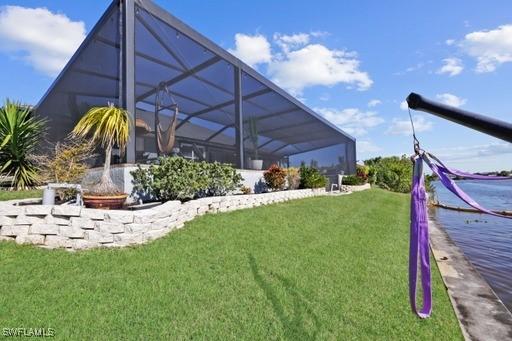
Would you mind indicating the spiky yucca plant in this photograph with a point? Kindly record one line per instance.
(20, 135)
(107, 126)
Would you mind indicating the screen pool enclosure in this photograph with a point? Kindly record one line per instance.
(189, 97)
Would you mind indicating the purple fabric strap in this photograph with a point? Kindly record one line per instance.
(441, 171)
(419, 243)
(442, 167)
(419, 239)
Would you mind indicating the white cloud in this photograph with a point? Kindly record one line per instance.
(490, 48)
(319, 34)
(253, 49)
(474, 152)
(403, 126)
(367, 146)
(314, 65)
(451, 66)
(352, 120)
(44, 39)
(451, 100)
(450, 42)
(374, 103)
(297, 63)
(404, 106)
(287, 42)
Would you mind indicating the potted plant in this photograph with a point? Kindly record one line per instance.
(256, 162)
(107, 126)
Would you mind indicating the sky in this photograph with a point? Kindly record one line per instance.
(354, 62)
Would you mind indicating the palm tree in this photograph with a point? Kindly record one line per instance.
(107, 126)
(20, 135)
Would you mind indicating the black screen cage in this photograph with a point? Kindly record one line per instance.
(223, 109)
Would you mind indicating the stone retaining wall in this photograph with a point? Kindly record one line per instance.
(347, 188)
(78, 228)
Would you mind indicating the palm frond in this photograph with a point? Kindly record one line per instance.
(21, 132)
(107, 125)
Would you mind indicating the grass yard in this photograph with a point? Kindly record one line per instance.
(321, 268)
(11, 195)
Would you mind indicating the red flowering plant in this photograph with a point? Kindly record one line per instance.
(275, 177)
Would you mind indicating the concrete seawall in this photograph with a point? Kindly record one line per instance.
(481, 314)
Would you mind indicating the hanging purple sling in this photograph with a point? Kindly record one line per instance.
(419, 239)
(419, 244)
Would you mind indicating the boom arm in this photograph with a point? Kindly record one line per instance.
(484, 124)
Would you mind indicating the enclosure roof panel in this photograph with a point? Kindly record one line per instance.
(200, 75)
(227, 57)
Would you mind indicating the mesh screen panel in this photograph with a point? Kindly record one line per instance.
(170, 57)
(90, 79)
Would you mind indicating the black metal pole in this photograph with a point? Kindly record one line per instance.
(128, 71)
(239, 118)
(484, 124)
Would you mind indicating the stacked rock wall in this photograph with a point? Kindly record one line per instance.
(78, 228)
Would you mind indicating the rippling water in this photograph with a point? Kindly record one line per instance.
(485, 240)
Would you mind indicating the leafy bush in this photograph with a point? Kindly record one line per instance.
(221, 178)
(311, 178)
(392, 173)
(21, 133)
(245, 190)
(353, 180)
(293, 178)
(275, 177)
(176, 178)
(66, 163)
(362, 172)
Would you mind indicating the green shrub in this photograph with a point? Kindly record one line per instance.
(176, 178)
(67, 162)
(275, 177)
(311, 178)
(221, 178)
(362, 172)
(392, 173)
(353, 180)
(21, 133)
(293, 178)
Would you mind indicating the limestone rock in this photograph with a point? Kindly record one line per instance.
(41, 210)
(67, 210)
(122, 217)
(129, 238)
(44, 229)
(72, 232)
(99, 237)
(57, 241)
(109, 227)
(83, 223)
(12, 230)
(92, 213)
(34, 239)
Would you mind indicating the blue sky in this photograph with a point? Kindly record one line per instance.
(352, 61)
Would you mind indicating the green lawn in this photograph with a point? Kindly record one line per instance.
(11, 195)
(322, 268)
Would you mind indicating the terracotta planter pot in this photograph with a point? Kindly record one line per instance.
(106, 202)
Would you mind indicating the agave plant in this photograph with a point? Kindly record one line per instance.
(20, 135)
(107, 126)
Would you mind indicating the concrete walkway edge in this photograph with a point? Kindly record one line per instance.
(481, 314)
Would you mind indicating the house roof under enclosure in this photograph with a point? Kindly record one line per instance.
(142, 58)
